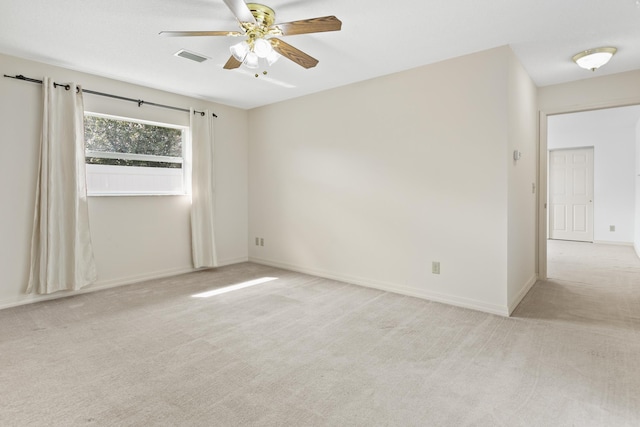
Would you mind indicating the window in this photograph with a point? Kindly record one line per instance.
(134, 157)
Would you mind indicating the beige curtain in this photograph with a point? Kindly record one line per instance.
(202, 191)
(61, 250)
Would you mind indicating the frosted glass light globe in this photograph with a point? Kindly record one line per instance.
(262, 48)
(272, 57)
(251, 60)
(240, 50)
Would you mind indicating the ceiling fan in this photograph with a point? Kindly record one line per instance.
(257, 25)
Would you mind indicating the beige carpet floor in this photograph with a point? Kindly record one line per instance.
(305, 351)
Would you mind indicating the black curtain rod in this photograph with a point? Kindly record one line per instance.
(108, 95)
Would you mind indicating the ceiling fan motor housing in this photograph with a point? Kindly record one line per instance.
(265, 16)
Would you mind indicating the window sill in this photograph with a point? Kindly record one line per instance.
(134, 194)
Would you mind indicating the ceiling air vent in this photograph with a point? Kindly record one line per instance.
(190, 55)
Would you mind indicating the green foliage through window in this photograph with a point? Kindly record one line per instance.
(110, 135)
(125, 162)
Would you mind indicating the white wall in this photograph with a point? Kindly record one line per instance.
(636, 239)
(612, 133)
(521, 249)
(371, 182)
(134, 237)
(598, 92)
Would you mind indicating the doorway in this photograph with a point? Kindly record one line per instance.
(615, 172)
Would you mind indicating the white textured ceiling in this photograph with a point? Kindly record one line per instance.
(119, 39)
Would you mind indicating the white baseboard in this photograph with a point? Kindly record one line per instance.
(98, 286)
(523, 292)
(392, 287)
(107, 284)
(231, 261)
(607, 242)
(137, 278)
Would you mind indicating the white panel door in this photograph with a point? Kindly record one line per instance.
(571, 194)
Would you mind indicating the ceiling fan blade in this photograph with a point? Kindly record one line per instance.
(313, 25)
(296, 55)
(232, 63)
(200, 33)
(240, 10)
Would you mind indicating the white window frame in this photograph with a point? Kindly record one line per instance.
(142, 171)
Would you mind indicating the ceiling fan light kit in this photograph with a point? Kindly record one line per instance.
(261, 43)
(257, 46)
(592, 59)
(250, 52)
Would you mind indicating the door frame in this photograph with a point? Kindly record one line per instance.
(543, 159)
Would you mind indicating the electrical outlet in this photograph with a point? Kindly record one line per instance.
(612, 228)
(435, 267)
(257, 241)
(261, 241)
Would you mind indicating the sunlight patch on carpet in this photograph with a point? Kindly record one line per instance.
(235, 287)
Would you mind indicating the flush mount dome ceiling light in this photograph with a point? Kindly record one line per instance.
(593, 59)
